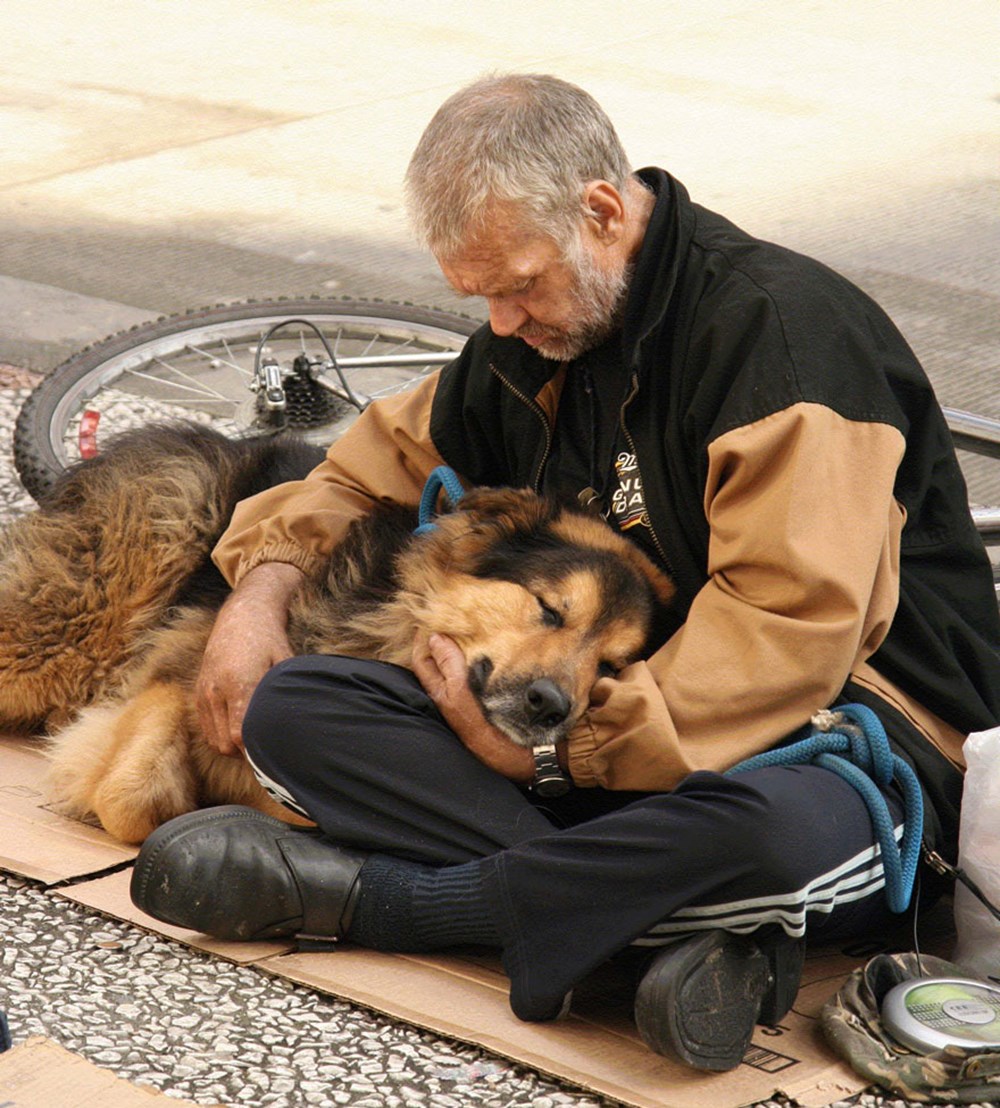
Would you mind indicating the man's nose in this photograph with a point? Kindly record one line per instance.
(506, 316)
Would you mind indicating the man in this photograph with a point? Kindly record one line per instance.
(758, 426)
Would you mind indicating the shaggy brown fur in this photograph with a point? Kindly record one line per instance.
(107, 598)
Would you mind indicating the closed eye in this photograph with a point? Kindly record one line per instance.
(607, 669)
(550, 617)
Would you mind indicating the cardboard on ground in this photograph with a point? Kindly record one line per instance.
(463, 995)
(39, 1073)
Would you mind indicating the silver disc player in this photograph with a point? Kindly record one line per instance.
(931, 1013)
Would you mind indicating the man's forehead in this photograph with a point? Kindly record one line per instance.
(488, 274)
(498, 259)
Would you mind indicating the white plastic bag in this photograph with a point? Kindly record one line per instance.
(978, 948)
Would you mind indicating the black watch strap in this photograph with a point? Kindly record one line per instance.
(549, 779)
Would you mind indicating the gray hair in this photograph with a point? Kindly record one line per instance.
(528, 140)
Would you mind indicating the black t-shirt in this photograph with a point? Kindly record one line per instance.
(591, 461)
(587, 425)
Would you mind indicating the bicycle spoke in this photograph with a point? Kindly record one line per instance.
(210, 358)
(388, 390)
(208, 391)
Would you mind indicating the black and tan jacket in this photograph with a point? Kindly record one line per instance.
(799, 483)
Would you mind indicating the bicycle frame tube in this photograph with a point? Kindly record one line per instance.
(979, 435)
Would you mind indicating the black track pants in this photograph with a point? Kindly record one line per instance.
(361, 749)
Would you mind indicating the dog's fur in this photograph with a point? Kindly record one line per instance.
(107, 598)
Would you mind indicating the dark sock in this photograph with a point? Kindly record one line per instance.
(412, 908)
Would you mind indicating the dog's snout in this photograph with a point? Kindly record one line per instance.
(547, 704)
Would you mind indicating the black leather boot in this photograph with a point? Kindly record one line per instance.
(235, 873)
(700, 999)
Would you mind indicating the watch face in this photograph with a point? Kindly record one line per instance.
(551, 786)
(932, 1013)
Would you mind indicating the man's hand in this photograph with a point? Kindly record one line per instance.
(440, 667)
(247, 639)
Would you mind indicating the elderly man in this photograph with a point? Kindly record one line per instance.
(759, 428)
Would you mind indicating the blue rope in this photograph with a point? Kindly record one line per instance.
(441, 478)
(857, 749)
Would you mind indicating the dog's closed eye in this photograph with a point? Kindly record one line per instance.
(550, 617)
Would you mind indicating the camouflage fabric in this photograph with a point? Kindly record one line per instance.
(851, 1023)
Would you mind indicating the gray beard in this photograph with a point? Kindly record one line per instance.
(600, 299)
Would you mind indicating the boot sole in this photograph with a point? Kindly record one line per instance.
(700, 1000)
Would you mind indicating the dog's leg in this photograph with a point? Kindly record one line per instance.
(128, 765)
(132, 765)
(79, 756)
(149, 778)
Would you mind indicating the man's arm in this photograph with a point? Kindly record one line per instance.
(385, 456)
(285, 534)
(803, 581)
(247, 639)
(440, 666)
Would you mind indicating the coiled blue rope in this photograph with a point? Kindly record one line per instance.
(441, 478)
(855, 747)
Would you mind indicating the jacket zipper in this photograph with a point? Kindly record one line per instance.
(635, 454)
(535, 407)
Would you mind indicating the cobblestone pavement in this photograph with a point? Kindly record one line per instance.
(160, 1014)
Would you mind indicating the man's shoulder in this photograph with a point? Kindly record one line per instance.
(770, 286)
(712, 245)
(769, 266)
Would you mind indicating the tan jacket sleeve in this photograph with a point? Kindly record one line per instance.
(803, 583)
(386, 456)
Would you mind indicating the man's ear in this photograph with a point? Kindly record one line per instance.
(604, 211)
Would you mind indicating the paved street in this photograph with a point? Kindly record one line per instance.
(158, 156)
(161, 156)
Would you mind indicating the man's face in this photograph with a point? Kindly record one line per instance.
(559, 306)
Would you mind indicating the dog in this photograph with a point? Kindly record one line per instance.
(108, 596)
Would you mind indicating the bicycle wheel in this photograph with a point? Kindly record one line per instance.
(200, 366)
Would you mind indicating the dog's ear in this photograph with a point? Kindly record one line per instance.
(520, 507)
(499, 513)
(662, 586)
(485, 522)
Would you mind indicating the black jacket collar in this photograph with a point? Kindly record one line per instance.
(661, 257)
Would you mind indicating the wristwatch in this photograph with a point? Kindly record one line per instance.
(549, 779)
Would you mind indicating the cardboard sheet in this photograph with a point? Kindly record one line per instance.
(39, 1073)
(463, 995)
(595, 1047)
(36, 842)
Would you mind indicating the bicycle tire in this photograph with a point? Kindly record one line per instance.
(196, 365)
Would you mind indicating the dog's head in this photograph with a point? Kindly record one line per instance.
(543, 601)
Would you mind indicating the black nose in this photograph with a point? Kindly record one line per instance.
(547, 704)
